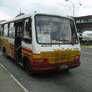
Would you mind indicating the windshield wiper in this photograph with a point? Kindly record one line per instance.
(64, 40)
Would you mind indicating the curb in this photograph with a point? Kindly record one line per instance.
(86, 47)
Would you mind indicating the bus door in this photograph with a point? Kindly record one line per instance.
(19, 27)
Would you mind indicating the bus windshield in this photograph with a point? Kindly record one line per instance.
(55, 29)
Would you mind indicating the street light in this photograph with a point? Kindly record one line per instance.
(73, 6)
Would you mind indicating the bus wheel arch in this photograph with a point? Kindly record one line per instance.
(27, 65)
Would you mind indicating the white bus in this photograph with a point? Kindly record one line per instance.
(41, 42)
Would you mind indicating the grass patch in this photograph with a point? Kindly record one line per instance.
(86, 44)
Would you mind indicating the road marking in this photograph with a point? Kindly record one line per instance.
(3, 67)
(14, 78)
(19, 83)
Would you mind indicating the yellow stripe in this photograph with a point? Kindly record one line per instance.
(60, 56)
(5, 43)
(86, 47)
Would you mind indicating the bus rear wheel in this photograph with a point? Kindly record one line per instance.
(4, 52)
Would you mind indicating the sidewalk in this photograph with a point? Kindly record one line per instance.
(7, 83)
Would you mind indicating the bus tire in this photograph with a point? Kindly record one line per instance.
(65, 70)
(4, 52)
(27, 66)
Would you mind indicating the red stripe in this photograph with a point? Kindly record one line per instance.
(76, 64)
(46, 63)
(45, 68)
(76, 60)
(30, 51)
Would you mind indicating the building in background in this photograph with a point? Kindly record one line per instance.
(84, 23)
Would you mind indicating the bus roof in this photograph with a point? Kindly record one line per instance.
(16, 18)
(30, 15)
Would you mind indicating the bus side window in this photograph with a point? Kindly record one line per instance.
(8, 28)
(5, 30)
(11, 32)
(27, 31)
(2, 30)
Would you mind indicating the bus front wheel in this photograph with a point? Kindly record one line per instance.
(28, 67)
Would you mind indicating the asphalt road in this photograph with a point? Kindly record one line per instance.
(76, 80)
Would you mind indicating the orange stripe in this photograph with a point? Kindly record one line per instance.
(12, 49)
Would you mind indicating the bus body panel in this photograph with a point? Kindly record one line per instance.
(50, 55)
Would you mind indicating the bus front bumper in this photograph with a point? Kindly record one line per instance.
(55, 66)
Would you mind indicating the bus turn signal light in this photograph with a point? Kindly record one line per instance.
(77, 58)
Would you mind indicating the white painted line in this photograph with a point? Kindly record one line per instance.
(19, 83)
(3, 67)
(14, 79)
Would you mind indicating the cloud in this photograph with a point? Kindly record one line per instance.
(4, 16)
(10, 8)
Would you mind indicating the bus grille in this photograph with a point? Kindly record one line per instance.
(60, 56)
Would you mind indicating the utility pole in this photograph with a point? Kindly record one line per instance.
(73, 6)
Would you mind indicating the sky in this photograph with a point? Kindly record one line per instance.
(10, 8)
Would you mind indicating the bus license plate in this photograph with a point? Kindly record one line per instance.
(63, 66)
